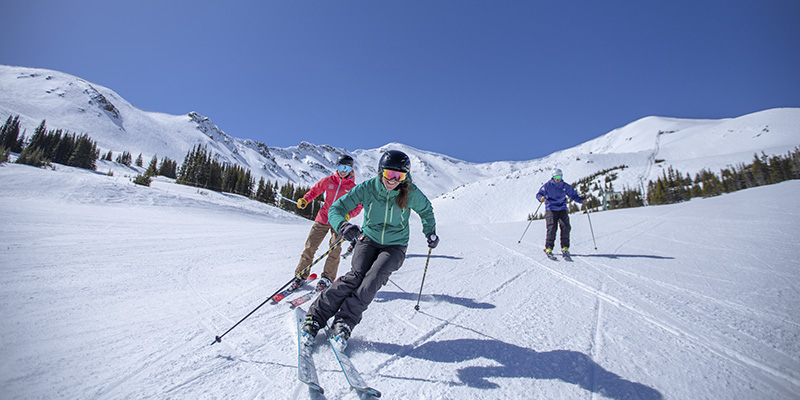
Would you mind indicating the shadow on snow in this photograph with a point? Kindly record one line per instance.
(385, 296)
(616, 256)
(432, 256)
(519, 362)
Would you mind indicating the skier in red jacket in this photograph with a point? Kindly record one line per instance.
(334, 186)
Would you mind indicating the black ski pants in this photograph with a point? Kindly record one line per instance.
(350, 295)
(555, 220)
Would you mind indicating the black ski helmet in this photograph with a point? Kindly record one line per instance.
(345, 160)
(395, 160)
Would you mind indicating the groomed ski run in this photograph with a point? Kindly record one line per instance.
(666, 308)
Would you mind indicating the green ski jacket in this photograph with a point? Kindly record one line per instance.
(384, 221)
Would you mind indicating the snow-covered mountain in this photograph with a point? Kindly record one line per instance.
(646, 148)
(73, 104)
(501, 190)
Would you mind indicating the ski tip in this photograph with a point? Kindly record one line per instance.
(311, 277)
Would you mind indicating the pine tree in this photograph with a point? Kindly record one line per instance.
(143, 180)
(64, 149)
(657, 192)
(9, 135)
(85, 154)
(168, 168)
(245, 183)
(33, 156)
(630, 198)
(44, 140)
(795, 162)
(760, 171)
(266, 192)
(213, 173)
(152, 169)
(260, 190)
(287, 191)
(125, 158)
(710, 183)
(186, 171)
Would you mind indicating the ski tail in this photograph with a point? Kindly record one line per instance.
(284, 294)
(302, 299)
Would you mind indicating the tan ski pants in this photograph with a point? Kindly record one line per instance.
(315, 237)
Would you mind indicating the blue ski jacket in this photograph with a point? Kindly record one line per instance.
(555, 194)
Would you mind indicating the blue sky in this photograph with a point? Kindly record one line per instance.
(476, 80)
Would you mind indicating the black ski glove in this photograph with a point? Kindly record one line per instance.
(433, 240)
(350, 232)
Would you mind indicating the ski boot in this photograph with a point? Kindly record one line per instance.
(565, 254)
(323, 284)
(295, 283)
(309, 331)
(341, 333)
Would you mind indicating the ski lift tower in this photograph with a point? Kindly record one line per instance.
(607, 196)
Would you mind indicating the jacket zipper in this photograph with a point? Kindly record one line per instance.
(385, 217)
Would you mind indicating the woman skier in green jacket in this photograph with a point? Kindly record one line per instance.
(381, 249)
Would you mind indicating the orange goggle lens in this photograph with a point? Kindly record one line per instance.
(394, 175)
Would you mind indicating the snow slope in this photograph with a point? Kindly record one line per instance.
(110, 290)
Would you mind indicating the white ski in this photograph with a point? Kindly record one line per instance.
(306, 370)
(350, 372)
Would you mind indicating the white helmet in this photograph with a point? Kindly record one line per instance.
(556, 172)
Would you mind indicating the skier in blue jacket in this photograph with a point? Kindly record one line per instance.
(554, 194)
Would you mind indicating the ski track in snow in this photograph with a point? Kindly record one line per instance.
(596, 344)
(663, 321)
(707, 341)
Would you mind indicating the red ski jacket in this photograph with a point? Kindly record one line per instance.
(334, 187)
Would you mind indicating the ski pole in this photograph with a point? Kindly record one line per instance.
(529, 222)
(416, 307)
(350, 249)
(286, 198)
(335, 245)
(590, 226)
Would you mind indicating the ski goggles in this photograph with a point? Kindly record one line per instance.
(557, 177)
(344, 168)
(390, 175)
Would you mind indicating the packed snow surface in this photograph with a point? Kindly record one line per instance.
(110, 290)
